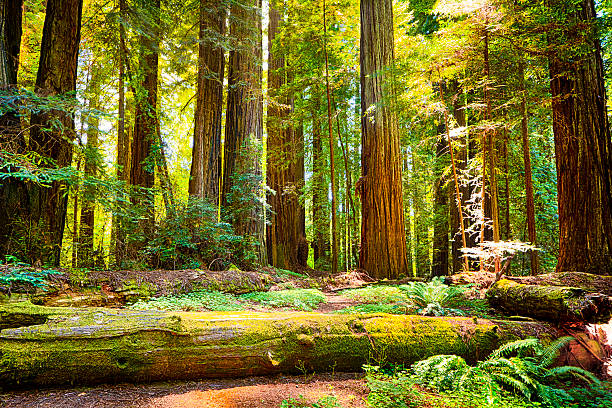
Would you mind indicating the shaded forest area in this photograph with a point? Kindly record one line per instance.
(403, 138)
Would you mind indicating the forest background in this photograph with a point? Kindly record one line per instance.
(204, 134)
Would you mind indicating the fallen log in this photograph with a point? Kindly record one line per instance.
(552, 303)
(587, 281)
(88, 346)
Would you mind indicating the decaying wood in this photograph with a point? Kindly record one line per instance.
(552, 303)
(86, 346)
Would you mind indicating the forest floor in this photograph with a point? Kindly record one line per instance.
(348, 389)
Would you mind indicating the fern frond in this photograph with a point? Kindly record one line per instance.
(515, 347)
(560, 372)
(513, 383)
(550, 353)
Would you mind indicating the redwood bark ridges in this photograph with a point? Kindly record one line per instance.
(206, 156)
(383, 238)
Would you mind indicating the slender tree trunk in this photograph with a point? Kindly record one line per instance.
(383, 238)
(461, 192)
(582, 142)
(142, 173)
(332, 161)
(439, 265)
(320, 189)
(56, 76)
(206, 155)
(88, 210)
(13, 192)
(123, 140)
(530, 206)
(284, 175)
(244, 121)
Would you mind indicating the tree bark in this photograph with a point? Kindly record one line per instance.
(142, 170)
(244, 124)
(56, 76)
(88, 205)
(206, 156)
(13, 192)
(530, 205)
(383, 238)
(582, 142)
(285, 158)
(123, 141)
(320, 189)
(439, 265)
(86, 346)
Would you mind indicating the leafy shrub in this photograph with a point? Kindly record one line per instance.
(21, 277)
(193, 233)
(397, 308)
(520, 367)
(300, 299)
(214, 301)
(375, 294)
(434, 298)
(300, 402)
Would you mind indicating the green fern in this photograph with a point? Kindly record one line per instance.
(520, 367)
(434, 298)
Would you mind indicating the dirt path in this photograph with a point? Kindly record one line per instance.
(255, 392)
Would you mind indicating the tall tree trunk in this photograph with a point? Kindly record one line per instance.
(13, 192)
(284, 231)
(206, 155)
(320, 190)
(439, 265)
(530, 206)
(582, 142)
(244, 122)
(142, 173)
(123, 140)
(88, 207)
(332, 161)
(383, 238)
(56, 76)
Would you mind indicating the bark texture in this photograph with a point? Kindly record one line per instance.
(206, 156)
(56, 76)
(244, 122)
(86, 346)
(582, 141)
(142, 169)
(286, 235)
(439, 265)
(13, 193)
(92, 163)
(383, 238)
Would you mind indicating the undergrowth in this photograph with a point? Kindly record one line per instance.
(518, 374)
(301, 402)
(375, 294)
(200, 300)
(300, 299)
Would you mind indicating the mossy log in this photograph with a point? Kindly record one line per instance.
(552, 303)
(87, 346)
(587, 281)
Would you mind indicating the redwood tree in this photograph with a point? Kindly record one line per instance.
(142, 172)
(244, 121)
(206, 155)
(582, 139)
(13, 193)
(286, 236)
(57, 70)
(383, 238)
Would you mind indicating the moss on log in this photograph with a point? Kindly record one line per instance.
(88, 346)
(552, 303)
(587, 281)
